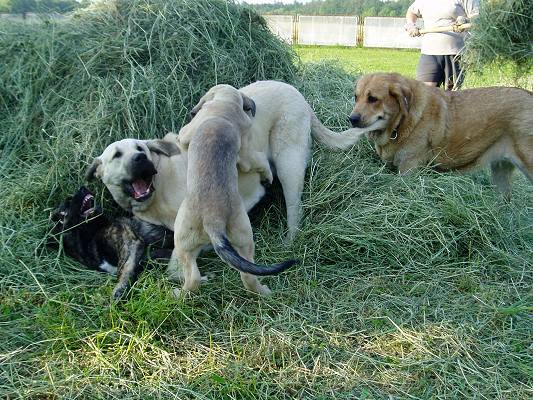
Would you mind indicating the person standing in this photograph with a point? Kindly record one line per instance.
(439, 62)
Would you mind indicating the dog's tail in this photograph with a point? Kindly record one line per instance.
(227, 252)
(336, 141)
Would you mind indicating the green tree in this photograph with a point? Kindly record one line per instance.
(56, 5)
(22, 7)
(4, 6)
(25, 6)
(338, 7)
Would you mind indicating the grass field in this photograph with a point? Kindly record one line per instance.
(359, 60)
(416, 287)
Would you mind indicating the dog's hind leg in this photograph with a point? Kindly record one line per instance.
(291, 173)
(240, 234)
(251, 282)
(501, 176)
(290, 141)
(191, 274)
(524, 150)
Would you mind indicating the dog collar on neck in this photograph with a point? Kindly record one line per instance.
(394, 133)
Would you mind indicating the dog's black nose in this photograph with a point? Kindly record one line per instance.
(139, 157)
(355, 120)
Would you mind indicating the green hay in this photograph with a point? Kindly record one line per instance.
(130, 67)
(502, 34)
(413, 287)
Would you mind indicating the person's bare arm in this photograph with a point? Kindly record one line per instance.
(410, 25)
(411, 17)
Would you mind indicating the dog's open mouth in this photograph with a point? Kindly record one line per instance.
(142, 189)
(87, 205)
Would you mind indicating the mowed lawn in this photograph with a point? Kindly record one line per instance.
(357, 60)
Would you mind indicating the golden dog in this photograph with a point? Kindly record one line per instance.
(452, 130)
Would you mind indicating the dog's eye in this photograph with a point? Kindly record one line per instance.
(372, 99)
(355, 97)
(117, 154)
(139, 148)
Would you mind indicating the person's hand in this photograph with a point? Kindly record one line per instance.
(414, 32)
(412, 29)
(461, 20)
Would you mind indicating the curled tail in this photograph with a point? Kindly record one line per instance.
(336, 141)
(226, 252)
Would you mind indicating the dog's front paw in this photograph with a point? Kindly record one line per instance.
(175, 272)
(189, 288)
(266, 176)
(177, 293)
(119, 291)
(243, 164)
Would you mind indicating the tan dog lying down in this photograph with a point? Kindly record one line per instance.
(216, 103)
(451, 130)
(213, 210)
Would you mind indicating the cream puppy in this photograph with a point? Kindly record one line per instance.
(226, 102)
(213, 210)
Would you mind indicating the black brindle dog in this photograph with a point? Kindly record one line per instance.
(117, 247)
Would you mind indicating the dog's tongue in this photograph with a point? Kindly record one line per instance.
(140, 187)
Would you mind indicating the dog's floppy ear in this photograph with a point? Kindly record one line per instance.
(402, 93)
(248, 104)
(94, 170)
(163, 147)
(197, 108)
(206, 97)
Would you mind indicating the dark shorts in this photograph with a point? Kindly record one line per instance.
(445, 70)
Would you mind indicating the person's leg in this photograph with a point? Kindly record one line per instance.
(429, 70)
(454, 74)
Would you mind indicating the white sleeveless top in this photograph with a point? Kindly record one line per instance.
(438, 13)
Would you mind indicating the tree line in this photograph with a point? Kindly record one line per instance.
(363, 8)
(26, 6)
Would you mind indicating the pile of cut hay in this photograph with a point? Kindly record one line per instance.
(411, 287)
(503, 33)
(127, 68)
